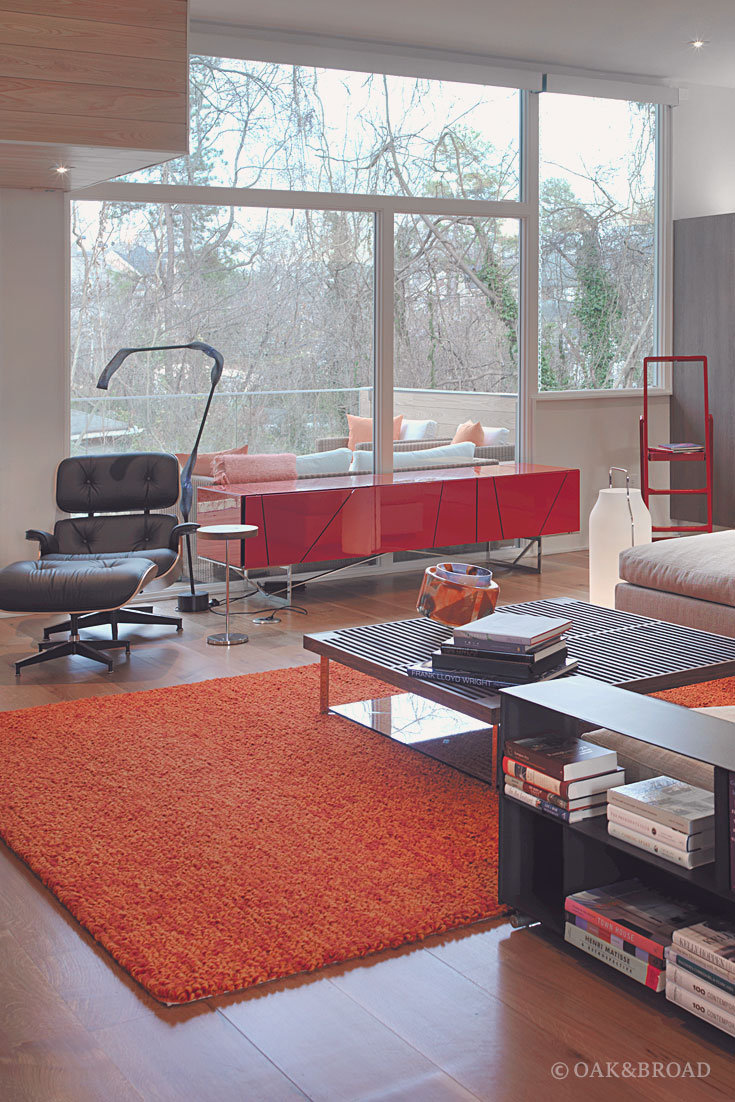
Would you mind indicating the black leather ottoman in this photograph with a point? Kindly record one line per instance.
(96, 585)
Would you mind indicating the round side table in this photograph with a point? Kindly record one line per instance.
(226, 533)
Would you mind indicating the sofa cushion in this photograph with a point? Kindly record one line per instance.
(336, 461)
(418, 430)
(493, 437)
(231, 469)
(471, 431)
(361, 429)
(702, 567)
(362, 462)
(203, 465)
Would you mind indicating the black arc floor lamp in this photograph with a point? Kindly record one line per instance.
(188, 602)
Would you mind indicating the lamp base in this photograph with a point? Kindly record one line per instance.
(193, 602)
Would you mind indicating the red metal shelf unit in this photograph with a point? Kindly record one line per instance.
(654, 454)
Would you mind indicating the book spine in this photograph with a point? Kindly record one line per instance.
(624, 962)
(625, 944)
(612, 927)
(484, 667)
(669, 837)
(533, 776)
(655, 814)
(458, 678)
(598, 798)
(668, 853)
(540, 805)
(481, 648)
(701, 1008)
(711, 974)
(700, 988)
(692, 946)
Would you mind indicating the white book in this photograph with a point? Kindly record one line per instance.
(712, 940)
(617, 958)
(512, 627)
(643, 825)
(699, 988)
(703, 1009)
(672, 803)
(668, 853)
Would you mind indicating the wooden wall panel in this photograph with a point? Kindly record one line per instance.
(704, 277)
(90, 80)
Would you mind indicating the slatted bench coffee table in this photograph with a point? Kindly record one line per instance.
(456, 725)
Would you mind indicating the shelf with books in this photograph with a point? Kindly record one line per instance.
(543, 860)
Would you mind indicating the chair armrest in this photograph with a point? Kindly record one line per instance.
(178, 531)
(49, 544)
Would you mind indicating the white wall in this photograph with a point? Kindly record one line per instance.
(703, 154)
(33, 362)
(594, 434)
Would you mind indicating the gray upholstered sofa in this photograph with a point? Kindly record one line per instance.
(501, 453)
(688, 580)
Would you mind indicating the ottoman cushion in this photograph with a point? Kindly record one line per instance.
(91, 586)
(702, 567)
(161, 557)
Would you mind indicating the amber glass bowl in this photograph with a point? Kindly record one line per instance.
(457, 593)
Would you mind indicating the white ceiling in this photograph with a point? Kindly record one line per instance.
(640, 37)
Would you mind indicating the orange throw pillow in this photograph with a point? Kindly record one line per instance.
(204, 464)
(361, 429)
(471, 432)
(277, 467)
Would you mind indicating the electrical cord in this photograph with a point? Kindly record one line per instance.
(214, 605)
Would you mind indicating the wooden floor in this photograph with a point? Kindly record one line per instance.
(480, 1014)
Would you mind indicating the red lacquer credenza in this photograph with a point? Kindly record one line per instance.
(356, 516)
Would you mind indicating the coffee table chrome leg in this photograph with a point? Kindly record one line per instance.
(323, 684)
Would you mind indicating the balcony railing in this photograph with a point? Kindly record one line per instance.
(265, 420)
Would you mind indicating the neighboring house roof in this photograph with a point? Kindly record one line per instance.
(91, 426)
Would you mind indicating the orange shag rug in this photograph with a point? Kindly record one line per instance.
(705, 694)
(217, 835)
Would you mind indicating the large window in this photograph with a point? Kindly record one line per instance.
(313, 168)
(597, 242)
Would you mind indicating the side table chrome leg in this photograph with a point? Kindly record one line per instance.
(227, 639)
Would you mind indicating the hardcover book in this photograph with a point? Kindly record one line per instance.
(636, 913)
(704, 969)
(617, 958)
(703, 1009)
(426, 671)
(506, 652)
(712, 939)
(666, 835)
(700, 988)
(551, 809)
(672, 803)
(511, 627)
(566, 759)
(490, 666)
(593, 800)
(621, 943)
(569, 790)
(686, 859)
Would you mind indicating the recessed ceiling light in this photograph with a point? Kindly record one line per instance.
(697, 43)
(61, 169)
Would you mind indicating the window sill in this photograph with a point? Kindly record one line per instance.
(576, 395)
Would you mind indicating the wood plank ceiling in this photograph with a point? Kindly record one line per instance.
(99, 87)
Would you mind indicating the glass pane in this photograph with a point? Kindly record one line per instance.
(286, 296)
(256, 124)
(456, 332)
(596, 280)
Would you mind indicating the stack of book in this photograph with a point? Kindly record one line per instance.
(700, 972)
(566, 778)
(628, 926)
(679, 449)
(670, 818)
(499, 651)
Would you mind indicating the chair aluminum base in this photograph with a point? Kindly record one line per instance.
(223, 639)
(95, 649)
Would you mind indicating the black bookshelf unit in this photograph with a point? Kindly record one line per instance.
(542, 859)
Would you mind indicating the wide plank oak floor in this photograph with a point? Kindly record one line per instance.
(482, 1013)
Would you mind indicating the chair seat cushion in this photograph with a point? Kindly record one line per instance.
(702, 567)
(96, 585)
(161, 557)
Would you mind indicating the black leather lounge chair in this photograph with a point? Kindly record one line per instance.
(113, 499)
